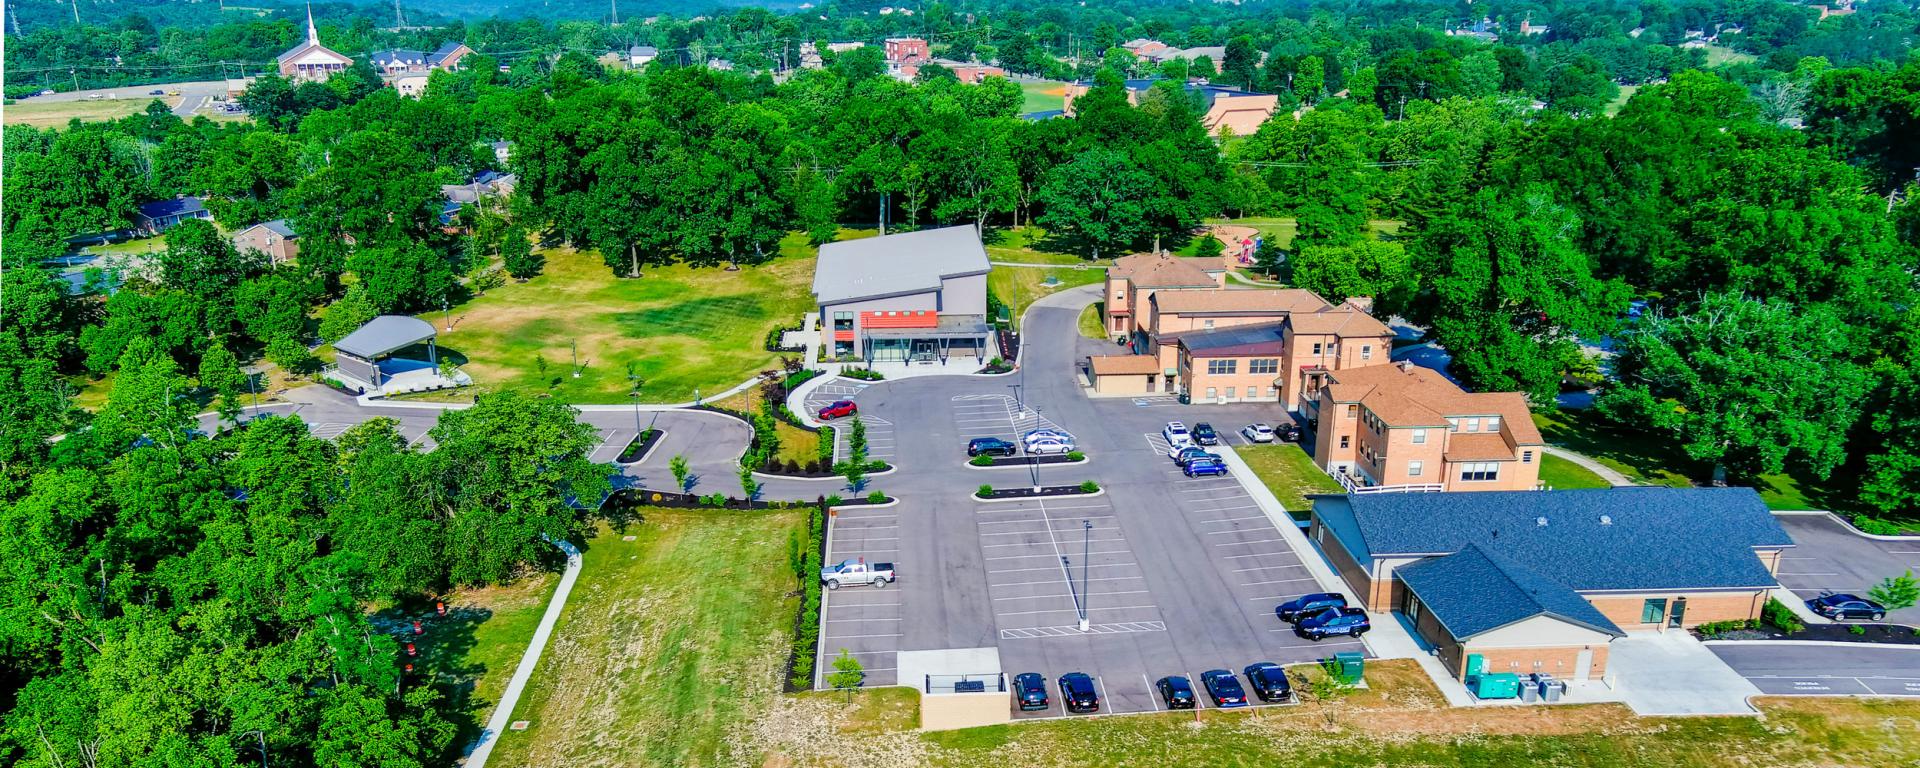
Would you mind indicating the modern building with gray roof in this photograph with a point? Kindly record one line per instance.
(1533, 574)
(915, 296)
(367, 360)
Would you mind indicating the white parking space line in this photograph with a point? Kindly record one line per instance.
(1274, 581)
(1243, 543)
(1103, 578)
(1233, 519)
(864, 637)
(1269, 568)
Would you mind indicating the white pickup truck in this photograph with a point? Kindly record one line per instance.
(856, 572)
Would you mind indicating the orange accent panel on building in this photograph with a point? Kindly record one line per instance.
(843, 335)
(912, 318)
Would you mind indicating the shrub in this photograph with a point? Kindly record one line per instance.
(1090, 486)
(834, 500)
(1713, 629)
(826, 446)
(981, 460)
(985, 490)
(1781, 617)
(1856, 630)
(876, 498)
(813, 467)
(863, 374)
(1076, 456)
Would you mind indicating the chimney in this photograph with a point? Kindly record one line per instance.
(1406, 366)
(1540, 521)
(1606, 520)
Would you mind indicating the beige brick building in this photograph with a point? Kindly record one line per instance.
(1402, 425)
(1133, 280)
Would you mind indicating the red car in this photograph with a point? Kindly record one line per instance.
(838, 409)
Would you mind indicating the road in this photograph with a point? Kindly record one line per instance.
(193, 96)
(1790, 669)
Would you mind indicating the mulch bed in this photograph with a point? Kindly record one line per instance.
(1893, 634)
(636, 497)
(1022, 461)
(1029, 493)
(641, 443)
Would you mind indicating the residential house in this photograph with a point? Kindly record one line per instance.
(970, 73)
(641, 55)
(1223, 109)
(1403, 426)
(907, 50)
(275, 239)
(912, 297)
(160, 215)
(401, 61)
(1545, 581)
(1132, 280)
(1215, 53)
(1143, 47)
(501, 151)
(484, 187)
(1273, 361)
(411, 86)
(811, 58)
(310, 61)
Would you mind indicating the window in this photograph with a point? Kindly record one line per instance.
(1366, 351)
(1222, 367)
(1212, 393)
(1316, 347)
(1273, 391)
(1346, 441)
(1453, 424)
(1230, 393)
(1473, 425)
(1419, 437)
(1479, 471)
(1414, 468)
(1526, 457)
(1653, 611)
(1119, 295)
(1493, 423)
(1413, 609)
(1352, 410)
(1263, 365)
(843, 321)
(1207, 324)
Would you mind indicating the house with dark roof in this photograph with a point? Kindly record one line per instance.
(1403, 427)
(1542, 582)
(400, 61)
(160, 215)
(1223, 109)
(913, 297)
(275, 239)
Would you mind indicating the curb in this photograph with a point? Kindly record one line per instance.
(643, 457)
(1825, 643)
(1080, 463)
(796, 478)
(892, 501)
(978, 500)
(1843, 522)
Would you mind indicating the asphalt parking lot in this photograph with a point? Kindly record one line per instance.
(1788, 669)
(864, 621)
(1830, 556)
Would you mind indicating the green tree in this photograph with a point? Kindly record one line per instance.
(220, 374)
(847, 673)
(749, 487)
(1310, 80)
(857, 441)
(1100, 199)
(1374, 268)
(1743, 383)
(1896, 592)
(678, 466)
(521, 261)
(352, 310)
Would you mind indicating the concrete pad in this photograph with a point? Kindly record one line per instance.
(1671, 673)
(944, 665)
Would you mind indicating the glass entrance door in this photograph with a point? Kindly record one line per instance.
(923, 350)
(1679, 612)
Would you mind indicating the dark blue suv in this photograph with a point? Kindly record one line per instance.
(1224, 688)
(1268, 681)
(990, 446)
(1031, 689)
(1351, 622)
(1307, 605)
(1076, 689)
(1177, 692)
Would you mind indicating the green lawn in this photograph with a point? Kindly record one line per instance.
(1290, 473)
(56, 114)
(1626, 93)
(1280, 229)
(474, 649)
(1398, 720)
(1561, 474)
(1042, 95)
(669, 646)
(1650, 460)
(685, 327)
(1021, 286)
(1720, 54)
(1091, 324)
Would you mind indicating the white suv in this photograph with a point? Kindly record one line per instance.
(1176, 434)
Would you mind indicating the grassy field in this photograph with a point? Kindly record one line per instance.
(1720, 54)
(476, 646)
(670, 645)
(56, 114)
(1091, 325)
(1021, 286)
(685, 327)
(1290, 473)
(1562, 474)
(1042, 95)
(1649, 460)
(1280, 229)
(796, 444)
(1398, 720)
(1626, 93)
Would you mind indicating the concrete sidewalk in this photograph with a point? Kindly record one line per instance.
(482, 748)
(1605, 472)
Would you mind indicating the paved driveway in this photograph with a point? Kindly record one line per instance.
(1792, 669)
(1830, 556)
(1671, 673)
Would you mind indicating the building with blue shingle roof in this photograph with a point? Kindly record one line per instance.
(1547, 578)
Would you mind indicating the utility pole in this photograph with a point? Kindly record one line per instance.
(616, 12)
(1086, 542)
(76, 11)
(399, 19)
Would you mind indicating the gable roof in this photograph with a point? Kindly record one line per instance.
(392, 56)
(301, 49)
(446, 49)
(1592, 540)
(1161, 270)
(174, 207)
(277, 226)
(892, 265)
(1405, 395)
(1252, 301)
(1123, 365)
(1475, 591)
(384, 334)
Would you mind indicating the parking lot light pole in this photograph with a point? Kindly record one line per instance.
(1086, 539)
(1079, 600)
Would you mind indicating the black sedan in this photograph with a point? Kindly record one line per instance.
(1176, 692)
(1031, 690)
(1268, 681)
(1307, 605)
(1076, 689)
(990, 446)
(1223, 688)
(1845, 606)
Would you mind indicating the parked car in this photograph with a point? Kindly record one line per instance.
(1257, 432)
(857, 572)
(1030, 689)
(1205, 467)
(1351, 622)
(1176, 692)
(1048, 448)
(47, 92)
(1176, 434)
(1268, 681)
(1056, 435)
(1223, 688)
(1203, 434)
(1845, 606)
(156, 92)
(1288, 432)
(1077, 691)
(837, 409)
(1190, 454)
(1307, 605)
(991, 446)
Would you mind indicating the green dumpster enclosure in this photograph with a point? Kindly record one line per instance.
(1351, 666)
